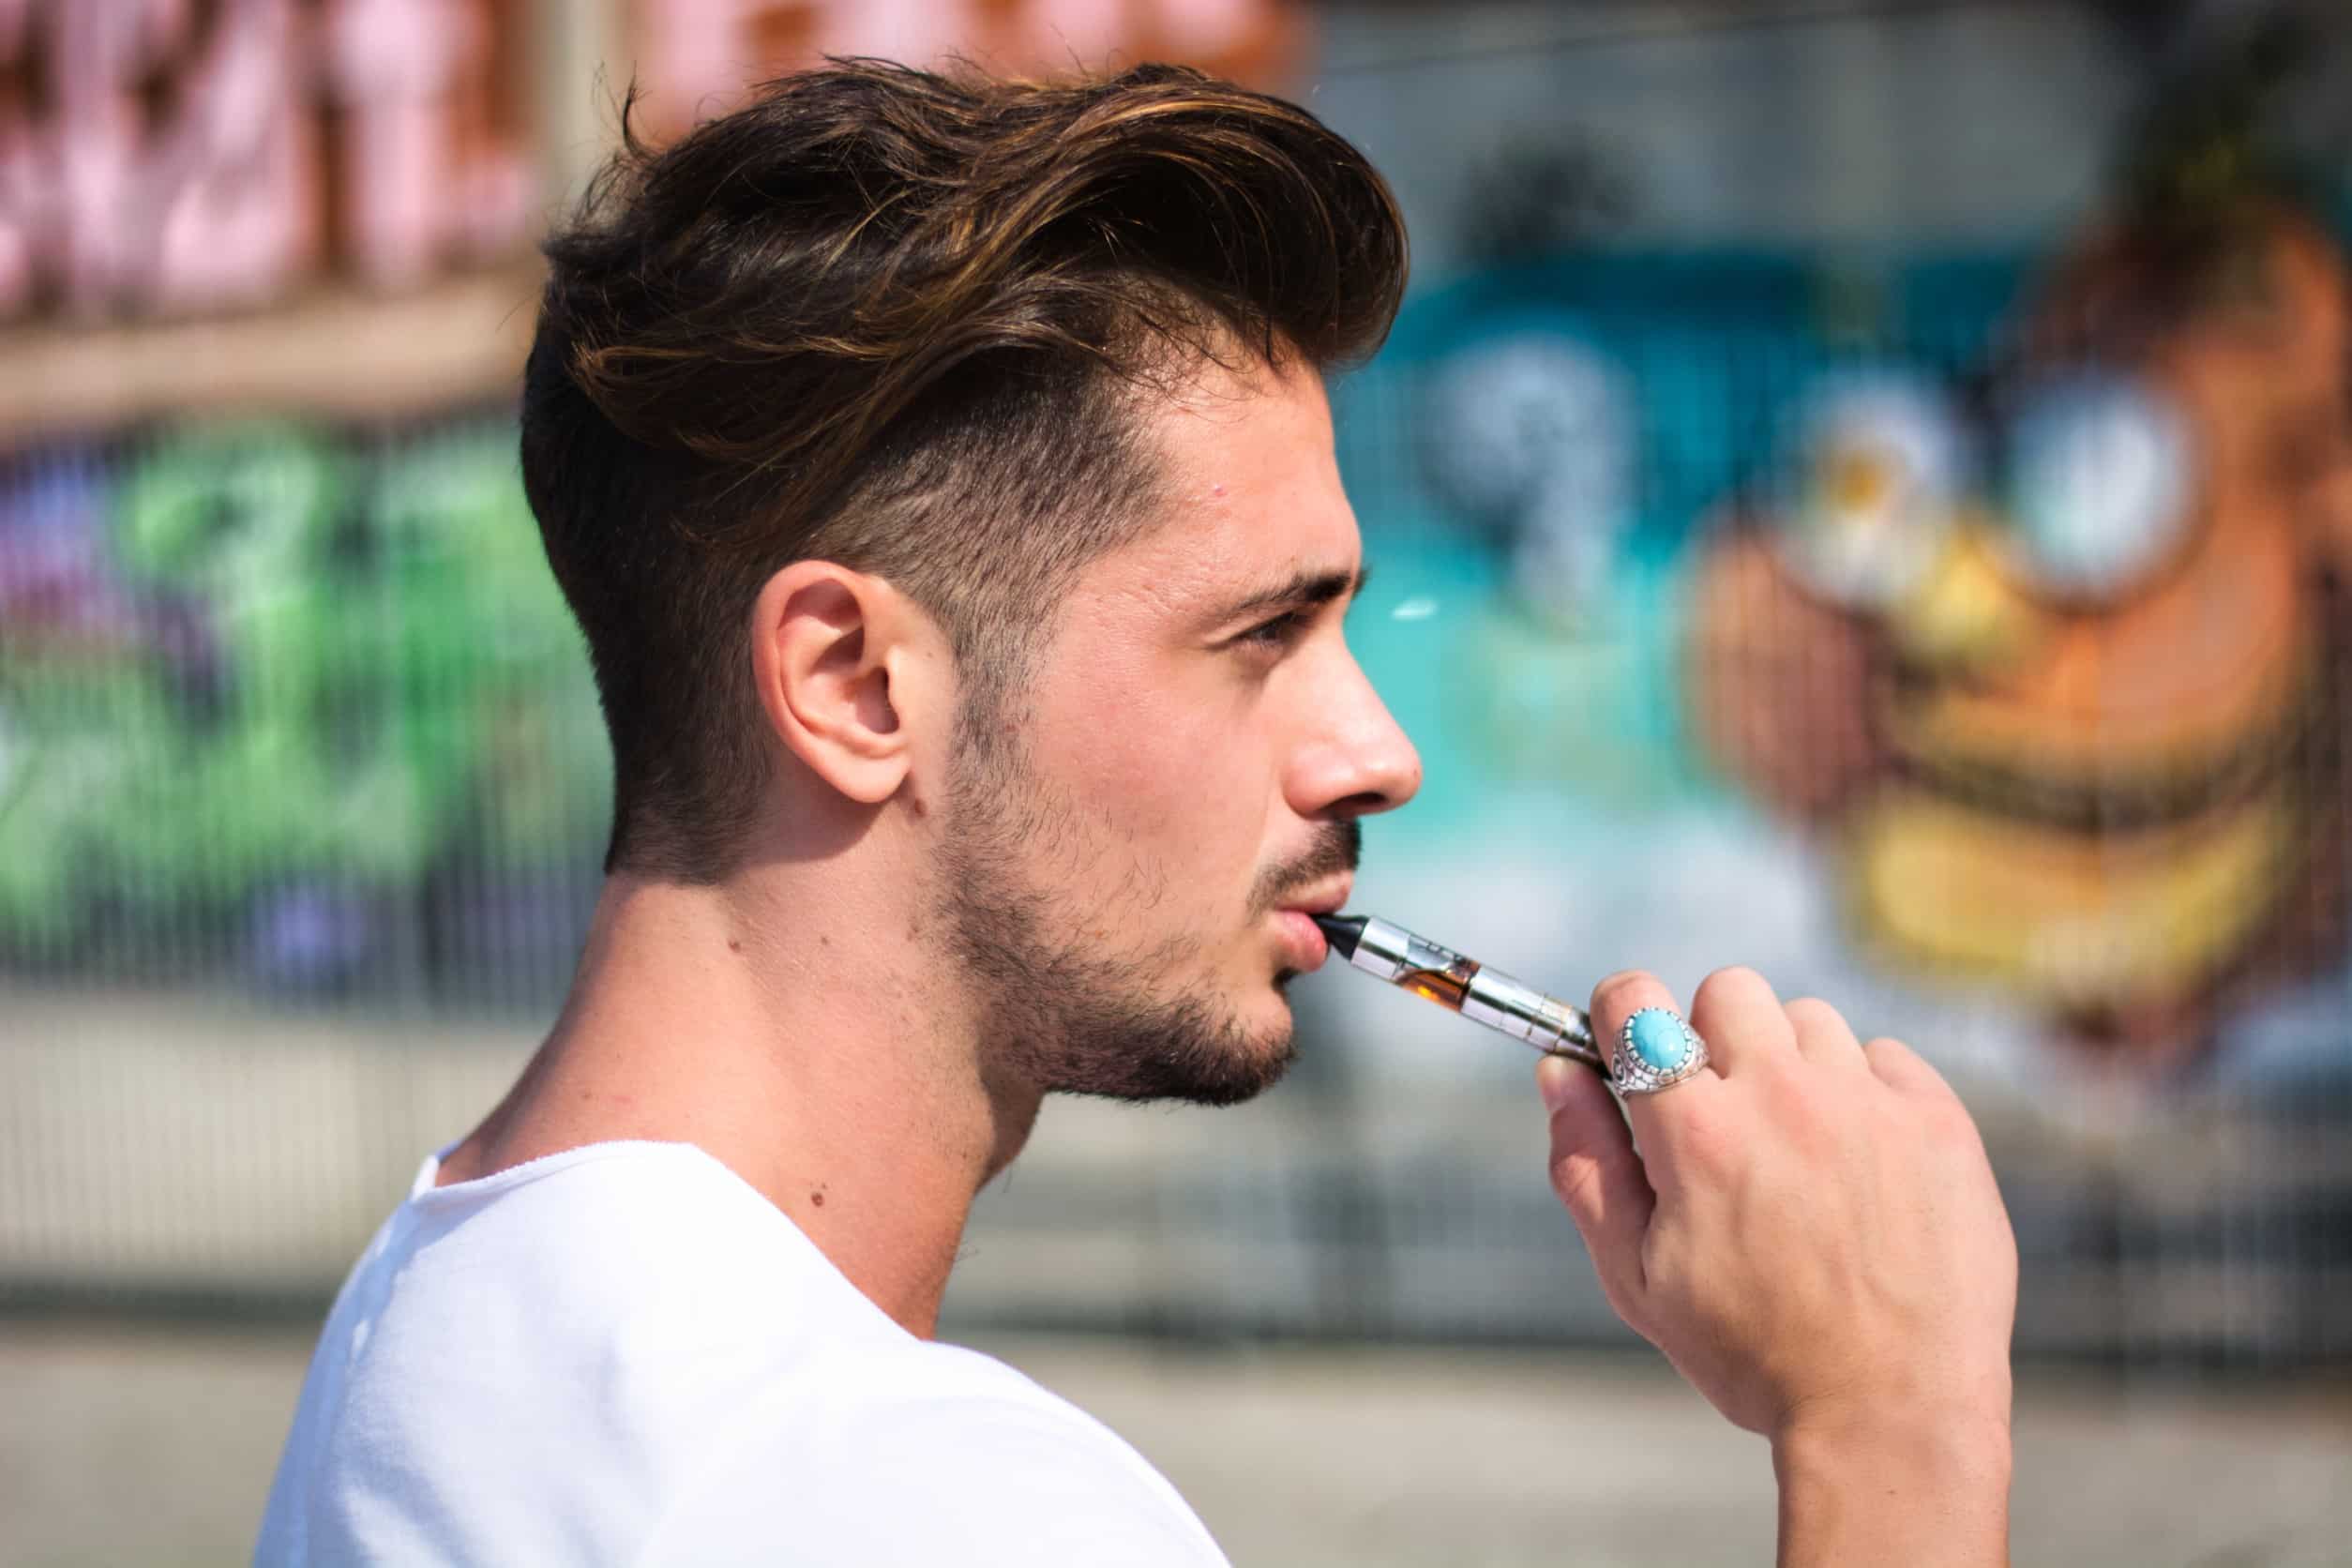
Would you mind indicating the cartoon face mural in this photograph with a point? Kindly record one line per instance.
(2064, 683)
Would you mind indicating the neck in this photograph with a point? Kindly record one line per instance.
(791, 1034)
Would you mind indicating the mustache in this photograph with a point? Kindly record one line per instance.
(1337, 847)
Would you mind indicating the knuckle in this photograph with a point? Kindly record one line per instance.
(1734, 991)
(1887, 1051)
(1620, 987)
(1812, 1010)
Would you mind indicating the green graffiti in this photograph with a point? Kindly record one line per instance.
(381, 673)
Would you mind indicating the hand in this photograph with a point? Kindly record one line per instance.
(1812, 1234)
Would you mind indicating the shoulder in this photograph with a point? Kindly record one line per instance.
(658, 1233)
(945, 1456)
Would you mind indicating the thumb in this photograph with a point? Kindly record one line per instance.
(1598, 1176)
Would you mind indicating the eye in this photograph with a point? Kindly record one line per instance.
(1279, 632)
(2099, 485)
(1882, 465)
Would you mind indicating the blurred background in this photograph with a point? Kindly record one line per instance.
(1859, 490)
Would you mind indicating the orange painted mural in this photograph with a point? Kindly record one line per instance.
(2053, 662)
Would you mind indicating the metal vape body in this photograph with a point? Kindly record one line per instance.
(1468, 987)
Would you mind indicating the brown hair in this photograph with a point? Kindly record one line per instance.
(899, 320)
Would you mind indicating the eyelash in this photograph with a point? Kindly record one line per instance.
(1277, 633)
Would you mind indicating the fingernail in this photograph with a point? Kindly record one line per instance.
(1553, 1082)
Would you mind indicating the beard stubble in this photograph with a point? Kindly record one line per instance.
(1059, 1014)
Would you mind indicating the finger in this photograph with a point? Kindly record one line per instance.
(1618, 998)
(1823, 1037)
(1656, 1119)
(1740, 1019)
(1598, 1177)
(1899, 1067)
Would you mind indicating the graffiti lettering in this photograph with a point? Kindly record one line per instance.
(251, 666)
(694, 56)
(170, 155)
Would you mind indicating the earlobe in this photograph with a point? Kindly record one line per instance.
(821, 652)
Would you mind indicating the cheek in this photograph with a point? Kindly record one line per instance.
(1173, 773)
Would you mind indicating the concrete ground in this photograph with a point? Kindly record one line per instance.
(141, 1443)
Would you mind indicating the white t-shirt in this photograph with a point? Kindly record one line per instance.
(624, 1355)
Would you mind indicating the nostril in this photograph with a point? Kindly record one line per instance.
(1364, 803)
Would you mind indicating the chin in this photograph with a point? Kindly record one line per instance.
(1246, 1076)
(1254, 1053)
(1210, 1049)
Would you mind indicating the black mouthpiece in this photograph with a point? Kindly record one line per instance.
(1343, 931)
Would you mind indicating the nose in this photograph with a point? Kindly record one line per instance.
(1965, 617)
(1355, 759)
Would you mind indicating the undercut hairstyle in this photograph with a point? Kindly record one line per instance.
(903, 322)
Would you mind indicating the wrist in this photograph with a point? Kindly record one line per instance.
(1960, 1442)
(1913, 1484)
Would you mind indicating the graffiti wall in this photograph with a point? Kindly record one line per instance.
(693, 56)
(1962, 636)
(163, 157)
(294, 710)
(175, 157)
(1982, 660)
(295, 706)
(1993, 671)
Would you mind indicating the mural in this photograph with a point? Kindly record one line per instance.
(299, 707)
(176, 157)
(2061, 680)
(160, 156)
(306, 709)
(2000, 680)
(1992, 672)
(693, 56)
(1982, 656)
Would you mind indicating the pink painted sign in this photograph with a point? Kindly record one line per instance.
(166, 157)
(695, 57)
(175, 157)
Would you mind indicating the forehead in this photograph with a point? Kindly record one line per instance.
(1251, 492)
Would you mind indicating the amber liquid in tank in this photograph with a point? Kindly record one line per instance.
(1446, 986)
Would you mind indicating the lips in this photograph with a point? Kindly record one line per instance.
(1296, 915)
(1323, 898)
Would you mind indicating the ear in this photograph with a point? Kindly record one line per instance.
(838, 655)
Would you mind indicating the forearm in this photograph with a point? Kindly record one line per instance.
(1922, 1494)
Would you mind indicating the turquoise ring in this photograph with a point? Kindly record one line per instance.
(1656, 1050)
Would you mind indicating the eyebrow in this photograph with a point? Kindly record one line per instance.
(1305, 590)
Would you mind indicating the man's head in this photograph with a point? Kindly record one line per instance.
(954, 454)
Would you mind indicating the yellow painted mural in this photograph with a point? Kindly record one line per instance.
(2054, 661)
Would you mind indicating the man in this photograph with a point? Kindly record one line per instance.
(941, 475)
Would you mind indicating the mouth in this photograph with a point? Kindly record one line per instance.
(1296, 914)
(1324, 897)
(2120, 799)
